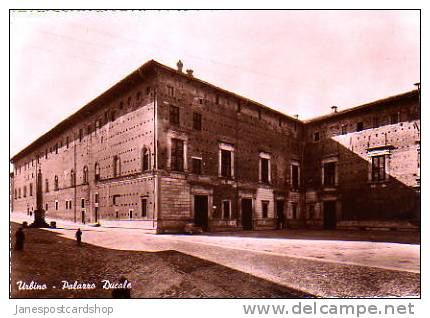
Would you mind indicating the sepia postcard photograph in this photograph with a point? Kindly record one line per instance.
(215, 154)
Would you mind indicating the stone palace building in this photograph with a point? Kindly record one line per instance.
(162, 148)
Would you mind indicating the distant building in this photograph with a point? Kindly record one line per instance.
(162, 148)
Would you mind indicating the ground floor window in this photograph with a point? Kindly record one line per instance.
(265, 209)
(226, 206)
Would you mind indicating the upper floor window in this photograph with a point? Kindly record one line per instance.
(265, 167)
(85, 175)
(196, 166)
(81, 134)
(113, 115)
(56, 183)
(174, 115)
(138, 96)
(226, 161)
(145, 159)
(295, 175)
(394, 118)
(67, 142)
(360, 126)
(329, 174)
(82, 203)
(31, 189)
(378, 168)
(375, 122)
(316, 136)
(170, 90)
(197, 121)
(115, 199)
(97, 172)
(46, 185)
(177, 155)
(116, 166)
(25, 191)
(344, 129)
(19, 193)
(72, 178)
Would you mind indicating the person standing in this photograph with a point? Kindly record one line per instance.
(78, 236)
(20, 237)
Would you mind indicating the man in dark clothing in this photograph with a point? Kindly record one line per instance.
(78, 236)
(20, 237)
(124, 290)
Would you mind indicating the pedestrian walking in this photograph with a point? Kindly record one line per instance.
(78, 236)
(19, 239)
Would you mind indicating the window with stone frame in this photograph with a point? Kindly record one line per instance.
(85, 175)
(46, 185)
(72, 178)
(144, 207)
(174, 115)
(196, 165)
(197, 121)
(116, 166)
(378, 168)
(226, 209)
(145, 159)
(295, 176)
(265, 209)
(265, 170)
(97, 171)
(56, 183)
(226, 168)
(177, 155)
(329, 174)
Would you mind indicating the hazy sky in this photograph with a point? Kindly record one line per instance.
(298, 62)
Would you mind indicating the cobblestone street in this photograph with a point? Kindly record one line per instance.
(215, 265)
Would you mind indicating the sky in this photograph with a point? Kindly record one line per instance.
(297, 62)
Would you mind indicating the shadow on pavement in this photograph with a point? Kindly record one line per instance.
(51, 259)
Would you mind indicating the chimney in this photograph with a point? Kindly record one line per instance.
(334, 109)
(179, 65)
(296, 116)
(189, 72)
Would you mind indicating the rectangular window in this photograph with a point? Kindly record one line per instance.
(197, 121)
(46, 206)
(316, 136)
(96, 198)
(25, 191)
(226, 209)
(295, 176)
(81, 134)
(115, 199)
(217, 99)
(67, 142)
(329, 174)
(265, 208)
(394, 118)
(56, 205)
(375, 122)
(82, 203)
(264, 170)
(177, 155)
(67, 204)
(294, 209)
(196, 165)
(225, 163)
(360, 126)
(144, 207)
(31, 189)
(344, 129)
(378, 168)
(174, 115)
(170, 91)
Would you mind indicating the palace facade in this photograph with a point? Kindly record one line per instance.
(162, 148)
